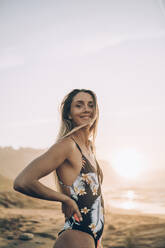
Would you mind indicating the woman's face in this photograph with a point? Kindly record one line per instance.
(82, 108)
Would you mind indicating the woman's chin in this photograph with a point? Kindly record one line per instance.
(82, 123)
(85, 122)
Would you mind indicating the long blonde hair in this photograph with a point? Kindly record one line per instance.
(66, 126)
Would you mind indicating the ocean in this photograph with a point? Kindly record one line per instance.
(143, 200)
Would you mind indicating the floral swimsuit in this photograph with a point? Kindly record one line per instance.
(86, 191)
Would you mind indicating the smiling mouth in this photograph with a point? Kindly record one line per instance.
(85, 117)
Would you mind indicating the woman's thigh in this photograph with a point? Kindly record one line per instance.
(74, 239)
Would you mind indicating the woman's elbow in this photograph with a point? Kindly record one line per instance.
(19, 185)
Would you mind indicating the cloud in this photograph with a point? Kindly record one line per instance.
(97, 42)
(108, 40)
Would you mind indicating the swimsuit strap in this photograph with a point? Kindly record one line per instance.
(97, 166)
(77, 145)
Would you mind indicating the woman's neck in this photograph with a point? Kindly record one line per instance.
(82, 136)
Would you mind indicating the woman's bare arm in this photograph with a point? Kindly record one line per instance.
(27, 182)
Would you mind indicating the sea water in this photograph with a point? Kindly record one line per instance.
(144, 200)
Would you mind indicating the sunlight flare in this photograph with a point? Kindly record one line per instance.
(128, 163)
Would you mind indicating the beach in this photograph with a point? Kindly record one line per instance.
(36, 224)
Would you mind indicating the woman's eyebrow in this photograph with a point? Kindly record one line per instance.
(80, 101)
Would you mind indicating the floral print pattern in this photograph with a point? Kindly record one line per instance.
(86, 191)
(82, 192)
(85, 210)
(94, 190)
(86, 178)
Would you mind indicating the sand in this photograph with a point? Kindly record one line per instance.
(121, 230)
(42, 219)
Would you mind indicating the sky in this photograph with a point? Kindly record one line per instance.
(115, 48)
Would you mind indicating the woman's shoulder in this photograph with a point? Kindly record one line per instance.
(66, 142)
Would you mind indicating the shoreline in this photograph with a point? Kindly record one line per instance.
(115, 210)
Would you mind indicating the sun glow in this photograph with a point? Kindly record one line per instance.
(128, 163)
(129, 197)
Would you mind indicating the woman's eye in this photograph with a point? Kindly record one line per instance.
(79, 106)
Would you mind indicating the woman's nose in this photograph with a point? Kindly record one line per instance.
(86, 108)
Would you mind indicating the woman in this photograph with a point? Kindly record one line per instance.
(79, 175)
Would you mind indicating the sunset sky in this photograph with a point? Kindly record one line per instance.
(115, 47)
